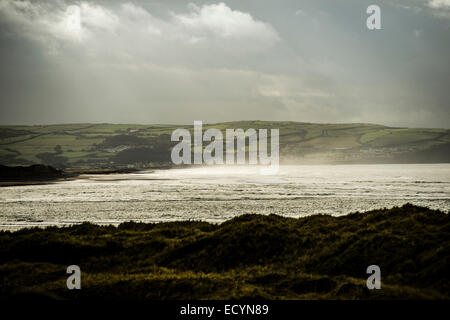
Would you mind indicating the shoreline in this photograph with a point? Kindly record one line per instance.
(74, 174)
(68, 175)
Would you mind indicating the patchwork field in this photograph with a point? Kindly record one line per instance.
(115, 145)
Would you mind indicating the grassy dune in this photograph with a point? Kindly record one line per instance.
(100, 145)
(251, 256)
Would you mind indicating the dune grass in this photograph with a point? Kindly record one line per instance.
(248, 257)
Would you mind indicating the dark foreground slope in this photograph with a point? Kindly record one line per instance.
(251, 256)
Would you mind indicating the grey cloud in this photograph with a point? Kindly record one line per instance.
(169, 62)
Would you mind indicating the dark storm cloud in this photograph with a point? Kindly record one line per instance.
(173, 62)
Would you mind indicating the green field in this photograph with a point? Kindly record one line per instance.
(113, 145)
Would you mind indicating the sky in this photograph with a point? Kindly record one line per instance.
(174, 62)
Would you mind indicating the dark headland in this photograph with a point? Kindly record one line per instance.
(248, 257)
(41, 174)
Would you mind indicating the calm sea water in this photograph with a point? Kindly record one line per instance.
(218, 193)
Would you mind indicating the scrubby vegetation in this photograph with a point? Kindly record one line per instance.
(251, 256)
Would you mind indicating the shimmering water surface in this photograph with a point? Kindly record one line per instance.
(219, 193)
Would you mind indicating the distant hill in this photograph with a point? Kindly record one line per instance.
(118, 145)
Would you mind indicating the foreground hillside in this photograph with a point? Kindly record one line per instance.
(251, 256)
(116, 145)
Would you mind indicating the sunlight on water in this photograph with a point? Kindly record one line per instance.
(218, 193)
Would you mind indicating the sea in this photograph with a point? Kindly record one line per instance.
(219, 193)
